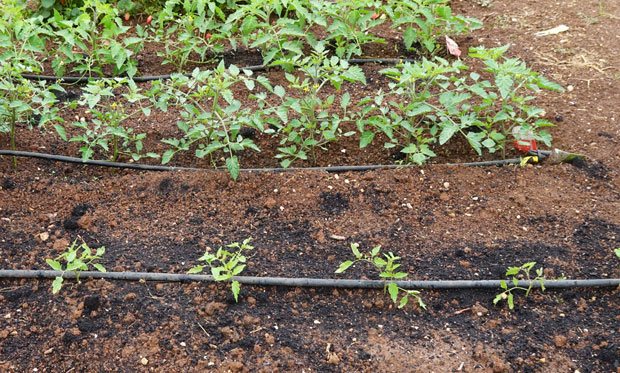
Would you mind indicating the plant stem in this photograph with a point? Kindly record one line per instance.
(115, 145)
(12, 134)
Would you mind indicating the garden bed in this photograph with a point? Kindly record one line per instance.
(445, 222)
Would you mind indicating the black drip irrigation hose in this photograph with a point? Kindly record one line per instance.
(306, 282)
(148, 78)
(146, 167)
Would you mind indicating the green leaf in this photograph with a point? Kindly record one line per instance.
(421, 303)
(504, 84)
(249, 84)
(447, 132)
(393, 291)
(196, 269)
(410, 149)
(56, 266)
(345, 100)
(232, 164)
(545, 83)
(71, 256)
(497, 298)
(403, 301)
(379, 262)
(235, 287)
(99, 267)
(60, 130)
(355, 74)
(489, 143)
(410, 36)
(511, 302)
(344, 266)
(356, 251)
(375, 250)
(168, 154)
(238, 269)
(57, 285)
(234, 70)
(366, 138)
(279, 91)
(419, 109)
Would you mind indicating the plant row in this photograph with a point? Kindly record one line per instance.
(425, 105)
(227, 262)
(94, 37)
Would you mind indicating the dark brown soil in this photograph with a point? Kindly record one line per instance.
(445, 222)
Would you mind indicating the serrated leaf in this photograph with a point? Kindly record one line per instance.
(393, 291)
(410, 36)
(99, 267)
(379, 262)
(56, 266)
(447, 132)
(421, 303)
(238, 269)
(71, 256)
(167, 156)
(497, 298)
(232, 165)
(366, 138)
(403, 301)
(196, 269)
(233, 70)
(375, 251)
(235, 287)
(345, 100)
(356, 251)
(57, 285)
(504, 84)
(344, 266)
(355, 74)
(279, 91)
(60, 130)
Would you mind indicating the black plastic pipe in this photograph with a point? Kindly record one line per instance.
(148, 78)
(307, 282)
(146, 167)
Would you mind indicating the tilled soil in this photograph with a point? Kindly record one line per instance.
(445, 223)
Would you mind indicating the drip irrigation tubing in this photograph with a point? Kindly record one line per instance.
(148, 78)
(307, 282)
(147, 167)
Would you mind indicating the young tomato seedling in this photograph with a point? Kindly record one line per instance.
(226, 263)
(106, 129)
(387, 265)
(77, 259)
(509, 287)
